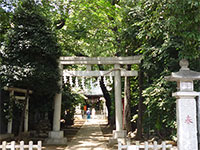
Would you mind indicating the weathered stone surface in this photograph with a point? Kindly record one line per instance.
(187, 127)
(184, 74)
(56, 138)
(100, 60)
(119, 134)
(186, 106)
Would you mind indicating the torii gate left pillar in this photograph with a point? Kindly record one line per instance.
(119, 132)
(57, 136)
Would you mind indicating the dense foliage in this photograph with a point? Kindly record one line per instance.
(29, 55)
(31, 50)
(162, 31)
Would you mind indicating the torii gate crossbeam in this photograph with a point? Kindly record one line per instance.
(97, 73)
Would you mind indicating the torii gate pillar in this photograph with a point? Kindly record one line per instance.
(57, 136)
(118, 133)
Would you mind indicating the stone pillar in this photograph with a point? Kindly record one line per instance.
(198, 118)
(26, 116)
(56, 136)
(9, 127)
(118, 99)
(57, 111)
(88, 67)
(57, 104)
(118, 133)
(186, 120)
(186, 106)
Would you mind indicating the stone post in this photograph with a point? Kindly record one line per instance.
(9, 127)
(26, 116)
(56, 136)
(198, 118)
(118, 99)
(57, 111)
(186, 106)
(118, 133)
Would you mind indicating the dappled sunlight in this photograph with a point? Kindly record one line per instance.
(89, 137)
(54, 147)
(60, 148)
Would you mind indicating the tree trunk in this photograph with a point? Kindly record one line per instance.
(23, 113)
(140, 104)
(127, 103)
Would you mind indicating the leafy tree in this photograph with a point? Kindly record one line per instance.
(90, 31)
(4, 24)
(163, 32)
(31, 51)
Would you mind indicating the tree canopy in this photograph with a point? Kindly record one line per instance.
(35, 33)
(31, 50)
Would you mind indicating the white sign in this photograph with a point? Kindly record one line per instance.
(186, 86)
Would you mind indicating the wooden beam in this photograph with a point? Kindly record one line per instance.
(17, 90)
(99, 60)
(97, 73)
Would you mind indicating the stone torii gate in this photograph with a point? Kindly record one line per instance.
(56, 136)
(12, 95)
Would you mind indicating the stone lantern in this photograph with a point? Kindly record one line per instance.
(186, 106)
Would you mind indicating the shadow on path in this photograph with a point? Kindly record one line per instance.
(89, 137)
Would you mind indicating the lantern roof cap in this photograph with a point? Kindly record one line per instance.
(184, 74)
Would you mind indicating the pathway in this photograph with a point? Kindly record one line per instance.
(89, 137)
